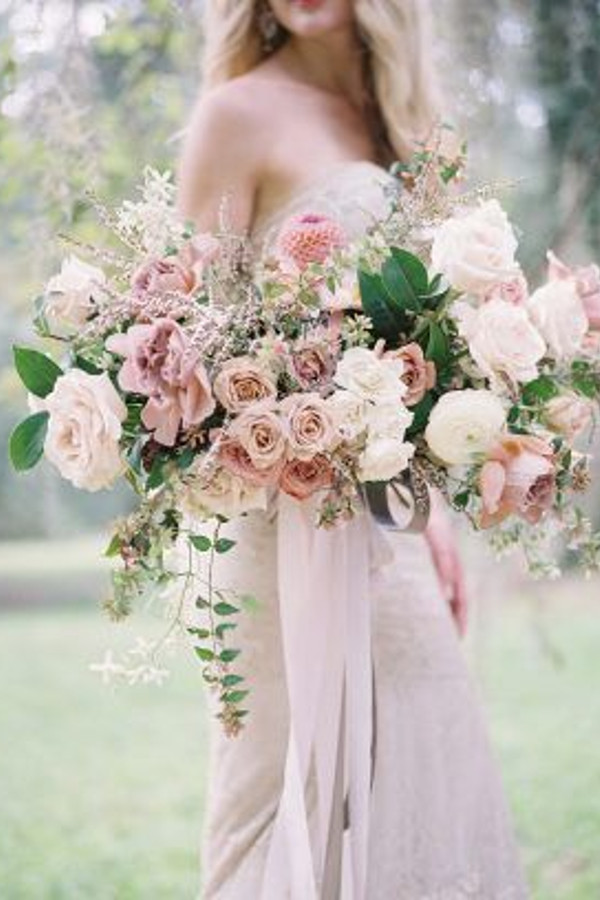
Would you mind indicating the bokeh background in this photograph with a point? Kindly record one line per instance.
(101, 792)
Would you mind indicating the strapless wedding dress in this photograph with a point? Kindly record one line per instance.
(439, 825)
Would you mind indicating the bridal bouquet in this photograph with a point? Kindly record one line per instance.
(330, 370)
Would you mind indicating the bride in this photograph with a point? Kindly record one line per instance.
(306, 103)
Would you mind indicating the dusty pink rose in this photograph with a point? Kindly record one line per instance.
(301, 478)
(569, 415)
(237, 461)
(518, 478)
(309, 238)
(515, 290)
(418, 375)
(164, 276)
(261, 433)
(310, 425)
(161, 364)
(312, 363)
(587, 281)
(242, 382)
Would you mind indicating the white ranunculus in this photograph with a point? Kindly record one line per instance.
(70, 295)
(223, 494)
(348, 413)
(384, 458)
(463, 424)
(84, 429)
(476, 249)
(558, 312)
(501, 338)
(370, 377)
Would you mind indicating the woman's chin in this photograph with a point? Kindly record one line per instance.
(316, 18)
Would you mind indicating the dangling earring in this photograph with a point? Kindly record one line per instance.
(268, 26)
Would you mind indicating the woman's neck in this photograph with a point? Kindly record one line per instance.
(333, 64)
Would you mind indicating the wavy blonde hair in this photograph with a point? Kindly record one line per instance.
(396, 35)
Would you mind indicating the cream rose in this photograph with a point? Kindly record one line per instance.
(569, 415)
(475, 250)
(464, 424)
(84, 429)
(310, 426)
(370, 377)
(384, 458)
(70, 295)
(241, 382)
(558, 312)
(501, 339)
(221, 493)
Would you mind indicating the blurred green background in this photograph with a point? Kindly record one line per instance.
(101, 792)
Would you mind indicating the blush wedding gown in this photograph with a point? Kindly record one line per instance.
(432, 822)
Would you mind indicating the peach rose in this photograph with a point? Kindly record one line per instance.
(242, 382)
(310, 425)
(569, 415)
(260, 431)
(161, 364)
(587, 282)
(238, 462)
(518, 478)
(301, 478)
(418, 373)
(309, 238)
(164, 276)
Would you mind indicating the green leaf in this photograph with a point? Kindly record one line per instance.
(539, 391)
(26, 444)
(398, 285)
(157, 473)
(231, 680)
(223, 627)
(420, 414)
(387, 323)
(586, 385)
(201, 633)
(223, 545)
(200, 542)
(413, 268)
(114, 547)
(437, 345)
(225, 609)
(205, 654)
(234, 696)
(461, 500)
(228, 655)
(36, 370)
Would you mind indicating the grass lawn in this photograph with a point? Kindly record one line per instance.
(101, 792)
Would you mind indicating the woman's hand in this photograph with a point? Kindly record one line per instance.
(446, 558)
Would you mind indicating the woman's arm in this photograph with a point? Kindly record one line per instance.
(446, 557)
(220, 162)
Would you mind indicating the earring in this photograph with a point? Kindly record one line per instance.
(268, 26)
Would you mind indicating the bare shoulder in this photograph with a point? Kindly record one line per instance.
(224, 149)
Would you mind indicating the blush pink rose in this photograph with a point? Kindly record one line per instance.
(301, 478)
(242, 382)
(569, 415)
(515, 291)
(237, 461)
(518, 478)
(164, 276)
(309, 238)
(311, 429)
(418, 374)
(261, 433)
(161, 364)
(587, 282)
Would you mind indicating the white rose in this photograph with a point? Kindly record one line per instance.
(501, 339)
(223, 494)
(569, 415)
(463, 424)
(370, 377)
(384, 458)
(474, 250)
(558, 312)
(388, 419)
(70, 295)
(348, 413)
(84, 429)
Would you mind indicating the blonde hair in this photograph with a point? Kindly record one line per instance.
(396, 35)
